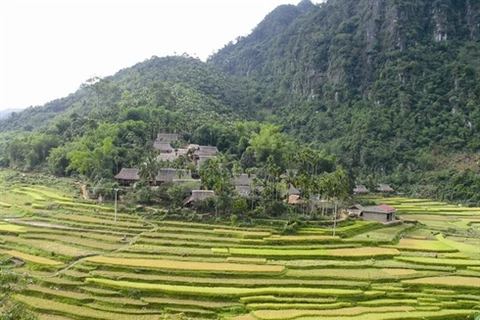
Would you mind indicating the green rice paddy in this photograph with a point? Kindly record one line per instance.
(84, 265)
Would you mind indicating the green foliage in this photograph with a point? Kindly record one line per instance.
(11, 309)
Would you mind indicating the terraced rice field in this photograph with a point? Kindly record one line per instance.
(84, 265)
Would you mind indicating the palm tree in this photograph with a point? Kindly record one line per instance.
(335, 186)
(149, 169)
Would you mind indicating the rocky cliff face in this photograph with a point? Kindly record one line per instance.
(343, 42)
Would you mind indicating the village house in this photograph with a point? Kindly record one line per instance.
(293, 191)
(127, 176)
(198, 195)
(162, 146)
(360, 189)
(167, 137)
(381, 213)
(244, 183)
(385, 188)
(200, 154)
(170, 174)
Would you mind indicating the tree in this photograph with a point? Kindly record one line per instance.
(148, 170)
(335, 186)
(12, 310)
(216, 176)
(269, 142)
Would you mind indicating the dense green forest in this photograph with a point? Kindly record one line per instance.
(388, 90)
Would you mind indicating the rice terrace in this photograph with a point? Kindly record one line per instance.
(79, 263)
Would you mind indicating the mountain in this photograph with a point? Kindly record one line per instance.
(5, 113)
(377, 82)
(177, 83)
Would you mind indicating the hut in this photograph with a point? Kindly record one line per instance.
(127, 176)
(385, 188)
(243, 180)
(167, 157)
(162, 146)
(181, 152)
(193, 147)
(198, 195)
(202, 159)
(168, 137)
(355, 210)
(206, 151)
(169, 174)
(293, 191)
(360, 189)
(243, 191)
(295, 199)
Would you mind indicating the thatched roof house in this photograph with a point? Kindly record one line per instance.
(384, 188)
(167, 157)
(206, 151)
(202, 159)
(169, 174)
(127, 176)
(193, 146)
(168, 137)
(163, 146)
(198, 195)
(243, 180)
(243, 191)
(181, 152)
(355, 210)
(294, 199)
(360, 189)
(293, 190)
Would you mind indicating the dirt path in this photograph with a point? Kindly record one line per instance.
(81, 259)
(126, 246)
(84, 192)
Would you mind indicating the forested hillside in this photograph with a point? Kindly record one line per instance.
(391, 88)
(171, 94)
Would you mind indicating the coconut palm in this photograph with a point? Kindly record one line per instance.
(148, 169)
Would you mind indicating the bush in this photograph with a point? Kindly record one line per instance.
(276, 209)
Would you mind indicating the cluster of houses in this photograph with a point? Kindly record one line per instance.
(381, 213)
(382, 188)
(243, 183)
(197, 154)
(193, 153)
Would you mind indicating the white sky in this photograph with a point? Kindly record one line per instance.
(49, 47)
